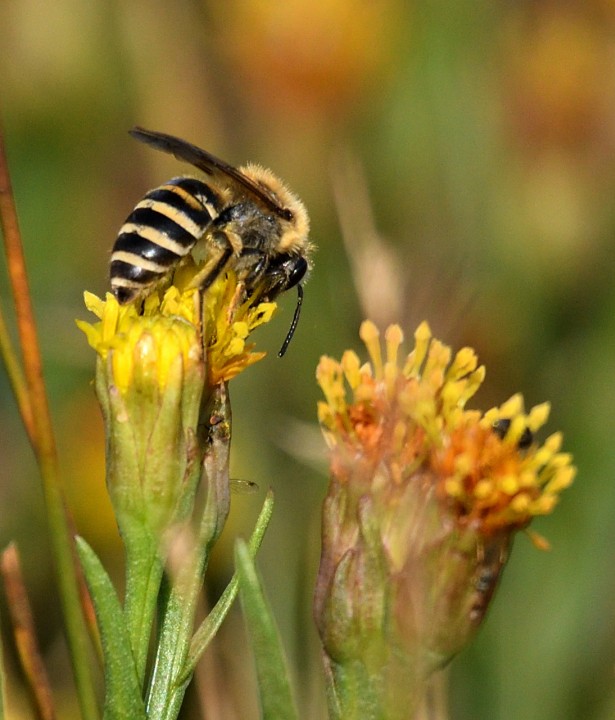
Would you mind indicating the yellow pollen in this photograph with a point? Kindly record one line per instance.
(526, 479)
(393, 337)
(538, 416)
(368, 332)
(453, 487)
(520, 503)
(509, 484)
(563, 479)
(391, 373)
(463, 464)
(513, 406)
(483, 489)
(415, 360)
(351, 365)
(544, 504)
(399, 435)
(464, 363)
(410, 425)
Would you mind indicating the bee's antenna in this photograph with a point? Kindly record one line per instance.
(294, 323)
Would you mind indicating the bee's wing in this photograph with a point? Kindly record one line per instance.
(209, 164)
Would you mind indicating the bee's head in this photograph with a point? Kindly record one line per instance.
(296, 223)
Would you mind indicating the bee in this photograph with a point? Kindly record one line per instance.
(500, 428)
(245, 218)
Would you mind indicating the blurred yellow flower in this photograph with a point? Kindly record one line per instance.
(412, 417)
(424, 500)
(313, 58)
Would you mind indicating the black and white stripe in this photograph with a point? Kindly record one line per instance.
(161, 230)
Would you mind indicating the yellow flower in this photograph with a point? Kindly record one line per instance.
(160, 361)
(163, 365)
(424, 499)
(151, 343)
(411, 415)
(168, 326)
(226, 327)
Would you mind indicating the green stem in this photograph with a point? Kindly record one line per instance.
(178, 621)
(212, 622)
(144, 569)
(62, 544)
(209, 627)
(353, 695)
(165, 694)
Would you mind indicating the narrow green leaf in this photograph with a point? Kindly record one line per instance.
(122, 691)
(271, 670)
(209, 627)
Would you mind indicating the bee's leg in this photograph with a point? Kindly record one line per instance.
(222, 249)
(251, 266)
(236, 300)
(249, 271)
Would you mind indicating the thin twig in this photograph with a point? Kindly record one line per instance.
(17, 379)
(25, 636)
(45, 448)
(28, 339)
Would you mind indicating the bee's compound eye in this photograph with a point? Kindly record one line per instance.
(297, 269)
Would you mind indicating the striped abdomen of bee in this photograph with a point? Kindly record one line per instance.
(161, 230)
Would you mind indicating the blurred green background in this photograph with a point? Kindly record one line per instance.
(458, 162)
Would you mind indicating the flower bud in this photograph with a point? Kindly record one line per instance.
(157, 368)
